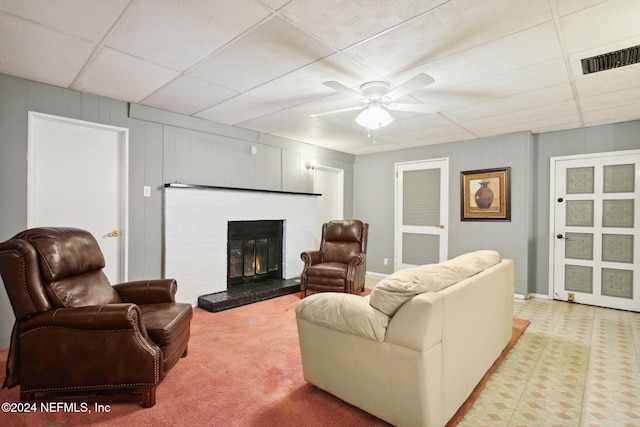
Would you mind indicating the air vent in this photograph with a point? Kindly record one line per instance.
(610, 60)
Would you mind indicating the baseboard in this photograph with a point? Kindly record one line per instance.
(373, 273)
(530, 295)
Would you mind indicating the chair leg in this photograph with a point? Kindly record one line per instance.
(149, 396)
(186, 350)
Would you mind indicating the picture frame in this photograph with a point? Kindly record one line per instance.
(485, 195)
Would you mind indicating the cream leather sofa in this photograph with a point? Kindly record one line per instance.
(412, 351)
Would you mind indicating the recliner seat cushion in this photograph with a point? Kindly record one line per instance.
(328, 269)
(165, 322)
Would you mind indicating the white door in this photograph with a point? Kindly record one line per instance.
(422, 213)
(77, 177)
(594, 245)
(330, 183)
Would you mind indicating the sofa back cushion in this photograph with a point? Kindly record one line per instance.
(396, 289)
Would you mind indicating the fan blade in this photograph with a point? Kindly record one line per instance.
(414, 108)
(415, 83)
(343, 110)
(343, 89)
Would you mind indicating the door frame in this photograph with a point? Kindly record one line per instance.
(340, 189)
(444, 208)
(123, 139)
(552, 198)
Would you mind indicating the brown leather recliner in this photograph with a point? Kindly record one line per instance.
(74, 332)
(340, 264)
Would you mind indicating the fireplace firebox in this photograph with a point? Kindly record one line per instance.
(254, 251)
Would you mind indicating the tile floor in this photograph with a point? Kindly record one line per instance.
(575, 365)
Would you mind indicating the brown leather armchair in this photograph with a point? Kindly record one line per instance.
(340, 264)
(75, 333)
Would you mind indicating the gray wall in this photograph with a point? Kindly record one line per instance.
(163, 147)
(374, 199)
(526, 238)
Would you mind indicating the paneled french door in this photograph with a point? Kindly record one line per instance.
(595, 249)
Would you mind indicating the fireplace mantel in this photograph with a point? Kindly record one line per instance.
(216, 187)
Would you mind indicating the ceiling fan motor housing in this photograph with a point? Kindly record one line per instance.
(375, 91)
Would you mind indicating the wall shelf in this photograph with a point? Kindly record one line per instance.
(215, 187)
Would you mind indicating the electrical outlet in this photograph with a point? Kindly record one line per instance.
(385, 261)
(571, 297)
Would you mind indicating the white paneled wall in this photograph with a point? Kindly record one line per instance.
(195, 233)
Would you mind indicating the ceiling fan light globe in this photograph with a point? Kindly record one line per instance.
(374, 118)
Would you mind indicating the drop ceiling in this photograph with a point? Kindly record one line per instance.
(500, 66)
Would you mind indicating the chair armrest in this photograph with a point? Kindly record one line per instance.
(91, 347)
(311, 257)
(91, 318)
(143, 292)
(358, 259)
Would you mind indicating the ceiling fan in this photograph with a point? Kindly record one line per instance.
(377, 100)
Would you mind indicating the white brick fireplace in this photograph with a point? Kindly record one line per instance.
(195, 232)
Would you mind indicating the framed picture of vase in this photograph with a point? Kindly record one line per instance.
(485, 195)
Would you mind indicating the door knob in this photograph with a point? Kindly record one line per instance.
(560, 236)
(441, 226)
(114, 233)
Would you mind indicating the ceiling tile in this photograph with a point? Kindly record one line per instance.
(178, 35)
(566, 7)
(238, 109)
(515, 103)
(341, 24)
(612, 100)
(188, 95)
(609, 81)
(88, 19)
(275, 4)
(34, 52)
(306, 84)
(105, 76)
(519, 120)
(329, 135)
(617, 114)
(267, 52)
(282, 119)
(500, 85)
(433, 35)
(593, 27)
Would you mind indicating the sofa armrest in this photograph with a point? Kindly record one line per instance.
(311, 258)
(143, 292)
(417, 325)
(342, 312)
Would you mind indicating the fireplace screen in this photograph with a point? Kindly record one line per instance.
(254, 251)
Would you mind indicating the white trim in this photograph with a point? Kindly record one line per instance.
(373, 273)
